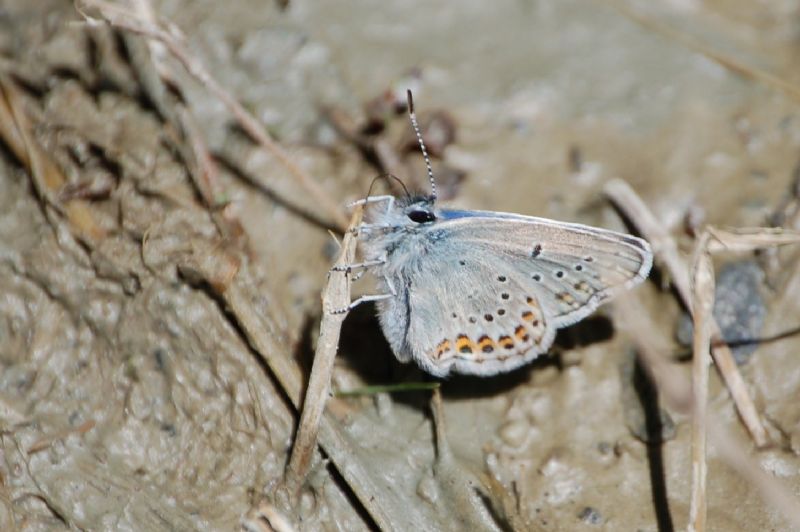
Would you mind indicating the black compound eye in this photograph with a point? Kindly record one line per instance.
(420, 216)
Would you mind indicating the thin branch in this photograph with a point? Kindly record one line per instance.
(750, 238)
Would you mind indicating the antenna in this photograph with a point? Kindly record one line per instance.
(421, 143)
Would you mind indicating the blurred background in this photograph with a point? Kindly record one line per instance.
(130, 389)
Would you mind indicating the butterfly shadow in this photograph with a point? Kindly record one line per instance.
(591, 330)
(365, 351)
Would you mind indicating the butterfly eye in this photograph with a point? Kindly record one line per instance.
(420, 216)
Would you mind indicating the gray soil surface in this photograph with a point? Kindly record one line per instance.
(134, 392)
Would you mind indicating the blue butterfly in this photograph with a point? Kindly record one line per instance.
(480, 292)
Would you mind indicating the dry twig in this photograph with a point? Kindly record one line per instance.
(703, 304)
(148, 58)
(335, 295)
(664, 247)
(711, 241)
(705, 328)
(671, 383)
(171, 37)
(16, 130)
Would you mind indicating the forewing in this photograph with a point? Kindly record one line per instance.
(571, 268)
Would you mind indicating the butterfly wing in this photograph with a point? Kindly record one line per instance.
(574, 267)
(497, 286)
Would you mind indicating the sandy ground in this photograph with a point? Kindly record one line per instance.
(134, 394)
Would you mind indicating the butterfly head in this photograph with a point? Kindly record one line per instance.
(412, 212)
(404, 214)
(418, 209)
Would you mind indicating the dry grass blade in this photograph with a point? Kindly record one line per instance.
(703, 292)
(632, 206)
(750, 239)
(670, 382)
(16, 130)
(465, 495)
(171, 38)
(336, 295)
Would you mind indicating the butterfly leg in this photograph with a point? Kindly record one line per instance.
(362, 299)
(366, 264)
(365, 299)
(374, 199)
(368, 227)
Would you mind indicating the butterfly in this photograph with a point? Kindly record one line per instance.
(481, 292)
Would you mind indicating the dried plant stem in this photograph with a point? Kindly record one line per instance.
(671, 383)
(443, 451)
(703, 292)
(632, 206)
(336, 295)
(172, 39)
(702, 284)
(17, 132)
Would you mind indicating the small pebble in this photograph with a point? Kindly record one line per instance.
(307, 503)
(591, 516)
(514, 433)
(427, 490)
(383, 404)
(738, 308)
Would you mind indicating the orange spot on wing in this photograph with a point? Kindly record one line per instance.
(486, 344)
(464, 344)
(442, 348)
(506, 342)
(522, 334)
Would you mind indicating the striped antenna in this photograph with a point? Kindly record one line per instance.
(413, 116)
